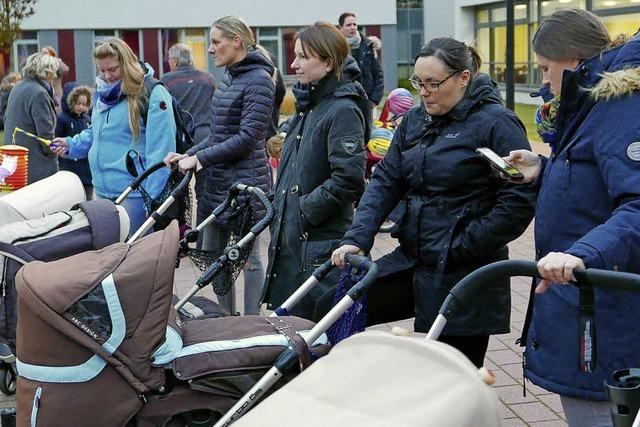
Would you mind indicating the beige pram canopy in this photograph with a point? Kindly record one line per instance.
(379, 379)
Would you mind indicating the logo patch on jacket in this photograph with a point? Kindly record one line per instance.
(163, 105)
(633, 151)
(349, 143)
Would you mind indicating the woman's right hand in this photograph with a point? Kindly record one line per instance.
(59, 146)
(337, 257)
(528, 163)
(173, 158)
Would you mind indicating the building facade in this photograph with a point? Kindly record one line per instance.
(485, 23)
(150, 27)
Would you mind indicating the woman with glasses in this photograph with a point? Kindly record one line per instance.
(118, 126)
(460, 215)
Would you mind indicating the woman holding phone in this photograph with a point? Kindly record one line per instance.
(460, 214)
(587, 214)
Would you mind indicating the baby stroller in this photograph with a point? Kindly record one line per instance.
(102, 321)
(427, 383)
(47, 220)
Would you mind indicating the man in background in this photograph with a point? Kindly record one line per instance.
(191, 87)
(363, 51)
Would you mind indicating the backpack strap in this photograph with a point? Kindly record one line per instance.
(104, 221)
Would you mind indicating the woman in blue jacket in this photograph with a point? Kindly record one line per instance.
(587, 214)
(235, 150)
(118, 126)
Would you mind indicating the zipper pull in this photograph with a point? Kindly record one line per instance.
(524, 379)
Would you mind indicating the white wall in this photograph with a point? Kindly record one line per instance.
(122, 14)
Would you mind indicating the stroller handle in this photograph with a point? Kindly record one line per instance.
(356, 292)
(464, 290)
(483, 276)
(191, 236)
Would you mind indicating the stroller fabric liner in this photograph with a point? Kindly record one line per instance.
(58, 192)
(378, 379)
(98, 329)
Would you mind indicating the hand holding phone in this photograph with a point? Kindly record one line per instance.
(500, 164)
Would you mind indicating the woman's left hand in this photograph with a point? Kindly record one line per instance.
(557, 267)
(188, 163)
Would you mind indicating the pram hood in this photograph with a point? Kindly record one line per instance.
(58, 192)
(114, 302)
(379, 379)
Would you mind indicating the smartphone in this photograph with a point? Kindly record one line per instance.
(499, 163)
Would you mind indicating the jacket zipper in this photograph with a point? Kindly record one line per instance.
(36, 406)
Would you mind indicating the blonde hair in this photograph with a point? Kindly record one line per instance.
(76, 93)
(10, 80)
(132, 77)
(41, 66)
(232, 26)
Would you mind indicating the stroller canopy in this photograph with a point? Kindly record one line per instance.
(114, 302)
(378, 379)
(58, 192)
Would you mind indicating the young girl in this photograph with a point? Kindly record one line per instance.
(73, 119)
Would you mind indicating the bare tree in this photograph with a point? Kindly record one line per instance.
(12, 13)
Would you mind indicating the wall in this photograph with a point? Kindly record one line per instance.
(93, 14)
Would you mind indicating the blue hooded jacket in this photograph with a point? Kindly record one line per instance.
(109, 138)
(589, 207)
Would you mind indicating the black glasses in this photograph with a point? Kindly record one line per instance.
(418, 84)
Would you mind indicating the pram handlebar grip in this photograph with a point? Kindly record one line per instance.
(483, 276)
(362, 263)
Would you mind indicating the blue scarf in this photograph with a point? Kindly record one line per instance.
(109, 95)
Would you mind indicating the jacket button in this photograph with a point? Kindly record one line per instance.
(284, 191)
(268, 275)
(273, 275)
(301, 114)
(616, 268)
(298, 137)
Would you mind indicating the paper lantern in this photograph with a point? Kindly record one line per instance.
(14, 166)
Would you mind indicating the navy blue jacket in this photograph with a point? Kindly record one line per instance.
(235, 149)
(71, 124)
(371, 75)
(459, 215)
(589, 206)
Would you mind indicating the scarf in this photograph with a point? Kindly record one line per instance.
(354, 42)
(108, 94)
(546, 118)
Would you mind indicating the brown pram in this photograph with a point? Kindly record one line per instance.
(99, 343)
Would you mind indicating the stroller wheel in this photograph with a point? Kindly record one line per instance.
(8, 380)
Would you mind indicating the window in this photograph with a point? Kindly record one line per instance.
(615, 4)
(195, 38)
(26, 45)
(410, 24)
(271, 39)
(100, 35)
(622, 24)
(548, 7)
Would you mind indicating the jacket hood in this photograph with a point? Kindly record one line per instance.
(620, 75)
(148, 70)
(254, 59)
(481, 89)
(66, 90)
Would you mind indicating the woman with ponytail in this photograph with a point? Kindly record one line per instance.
(118, 126)
(460, 215)
(235, 150)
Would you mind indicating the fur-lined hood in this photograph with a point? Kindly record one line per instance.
(620, 74)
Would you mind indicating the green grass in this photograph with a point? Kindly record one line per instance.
(526, 113)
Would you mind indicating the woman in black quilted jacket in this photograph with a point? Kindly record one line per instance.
(234, 151)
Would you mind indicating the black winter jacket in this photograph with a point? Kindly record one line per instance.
(235, 150)
(371, 76)
(71, 124)
(460, 215)
(321, 175)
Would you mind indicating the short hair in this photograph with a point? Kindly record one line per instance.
(571, 34)
(76, 93)
(326, 42)
(344, 17)
(41, 66)
(182, 54)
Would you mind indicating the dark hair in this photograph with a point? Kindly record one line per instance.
(571, 34)
(344, 17)
(455, 55)
(325, 41)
